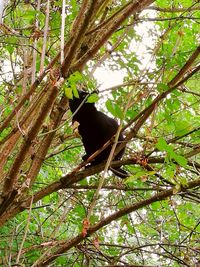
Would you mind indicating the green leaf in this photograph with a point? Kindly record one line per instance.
(75, 91)
(10, 49)
(114, 109)
(170, 171)
(170, 151)
(183, 181)
(182, 127)
(162, 87)
(180, 160)
(75, 77)
(110, 107)
(161, 144)
(119, 112)
(68, 92)
(140, 174)
(92, 98)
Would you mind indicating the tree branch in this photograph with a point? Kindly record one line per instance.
(130, 8)
(113, 217)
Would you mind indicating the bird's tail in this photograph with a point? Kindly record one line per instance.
(119, 172)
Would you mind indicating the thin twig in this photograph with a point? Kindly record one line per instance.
(25, 232)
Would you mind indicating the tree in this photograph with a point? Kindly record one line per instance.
(55, 211)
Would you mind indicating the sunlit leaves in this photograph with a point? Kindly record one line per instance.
(147, 58)
(163, 146)
(70, 87)
(68, 92)
(162, 87)
(92, 98)
(114, 109)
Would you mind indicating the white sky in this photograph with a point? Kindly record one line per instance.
(108, 78)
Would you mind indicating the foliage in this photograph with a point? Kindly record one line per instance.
(53, 210)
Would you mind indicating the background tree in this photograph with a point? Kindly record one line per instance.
(53, 211)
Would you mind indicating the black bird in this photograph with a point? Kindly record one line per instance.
(95, 128)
